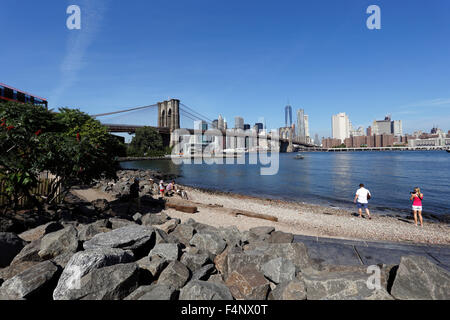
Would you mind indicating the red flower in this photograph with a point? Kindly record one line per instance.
(38, 132)
(78, 136)
(3, 122)
(10, 127)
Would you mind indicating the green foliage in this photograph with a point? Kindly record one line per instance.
(70, 145)
(340, 146)
(147, 142)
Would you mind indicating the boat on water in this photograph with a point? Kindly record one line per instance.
(448, 150)
(299, 156)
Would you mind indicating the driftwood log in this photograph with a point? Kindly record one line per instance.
(181, 206)
(254, 215)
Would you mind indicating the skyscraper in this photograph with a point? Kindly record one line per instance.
(340, 124)
(239, 123)
(307, 125)
(221, 122)
(288, 115)
(301, 130)
(316, 140)
(396, 128)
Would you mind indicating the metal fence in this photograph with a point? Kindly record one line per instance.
(42, 190)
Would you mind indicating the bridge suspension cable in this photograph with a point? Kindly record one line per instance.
(200, 116)
(122, 111)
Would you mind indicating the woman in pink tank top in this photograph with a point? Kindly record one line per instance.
(417, 198)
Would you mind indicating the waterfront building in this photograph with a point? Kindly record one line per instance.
(8, 93)
(316, 140)
(307, 127)
(340, 124)
(369, 131)
(246, 126)
(225, 124)
(301, 130)
(215, 124)
(331, 143)
(437, 140)
(259, 126)
(396, 128)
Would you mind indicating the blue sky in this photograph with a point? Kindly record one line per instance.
(245, 58)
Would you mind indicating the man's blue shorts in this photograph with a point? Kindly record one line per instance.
(360, 205)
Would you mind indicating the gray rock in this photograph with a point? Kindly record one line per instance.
(28, 253)
(132, 237)
(208, 242)
(10, 246)
(137, 217)
(59, 242)
(63, 259)
(296, 252)
(15, 269)
(261, 231)
(216, 278)
(195, 261)
(204, 272)
(108, 283)
(168, 226)
(153, 292)
(279, 270)
(154, 265)
(39, 232)
(203, 290)
(151, 219)
(163, 237)
(82, 263)
(290, 290)
(341, 286)
(168, 251)
(87, 232)
(280, 237)
(175, 275)
(34, 282)
(184, 233)
(419, 279)
(232, 236)
(117, 223)
(101, 205)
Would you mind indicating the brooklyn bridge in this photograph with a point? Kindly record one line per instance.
(171, 113)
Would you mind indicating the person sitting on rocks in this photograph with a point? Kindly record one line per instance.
(170, 188)
(134, 195)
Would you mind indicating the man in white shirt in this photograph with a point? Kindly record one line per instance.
(361, 199)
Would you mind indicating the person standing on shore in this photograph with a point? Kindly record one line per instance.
(417, 198)
(162, 189)
(362, 196)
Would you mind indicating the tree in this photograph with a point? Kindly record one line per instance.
(146, 142)
(70, 145)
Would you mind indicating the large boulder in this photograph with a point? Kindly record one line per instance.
(15, 269)
(184, 233)
(279, 270)
(418, 278)
(82, 263)
(289, 290)
(36, 282)
(208, 242)
(168, 226)
(248, 283)
(202, 290)
(168, 251)
(280, 237)
(87, 232)
(195, 261)
(204, 272)
(10, 246)
(153, 265)
(59, 242)
(108, 283)
(29, 253)
(117, 223)
(133, 237)
(39, 232)
(153, 292)
(231, 235)
(175, 275)
(341, 286)
(151, 219)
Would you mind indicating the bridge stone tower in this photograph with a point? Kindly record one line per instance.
(169, 114)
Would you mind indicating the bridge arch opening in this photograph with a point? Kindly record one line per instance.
(163, 118)
(169, 117)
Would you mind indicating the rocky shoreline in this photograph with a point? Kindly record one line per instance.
(100, 251)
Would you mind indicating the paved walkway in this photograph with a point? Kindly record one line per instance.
(354, 252)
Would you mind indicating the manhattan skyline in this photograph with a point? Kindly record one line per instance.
(318, 54)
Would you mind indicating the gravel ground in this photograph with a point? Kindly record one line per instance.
(300, 218)
(313, 220)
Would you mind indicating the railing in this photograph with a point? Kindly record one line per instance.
(41, 190)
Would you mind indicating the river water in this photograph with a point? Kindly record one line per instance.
(329, 178)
